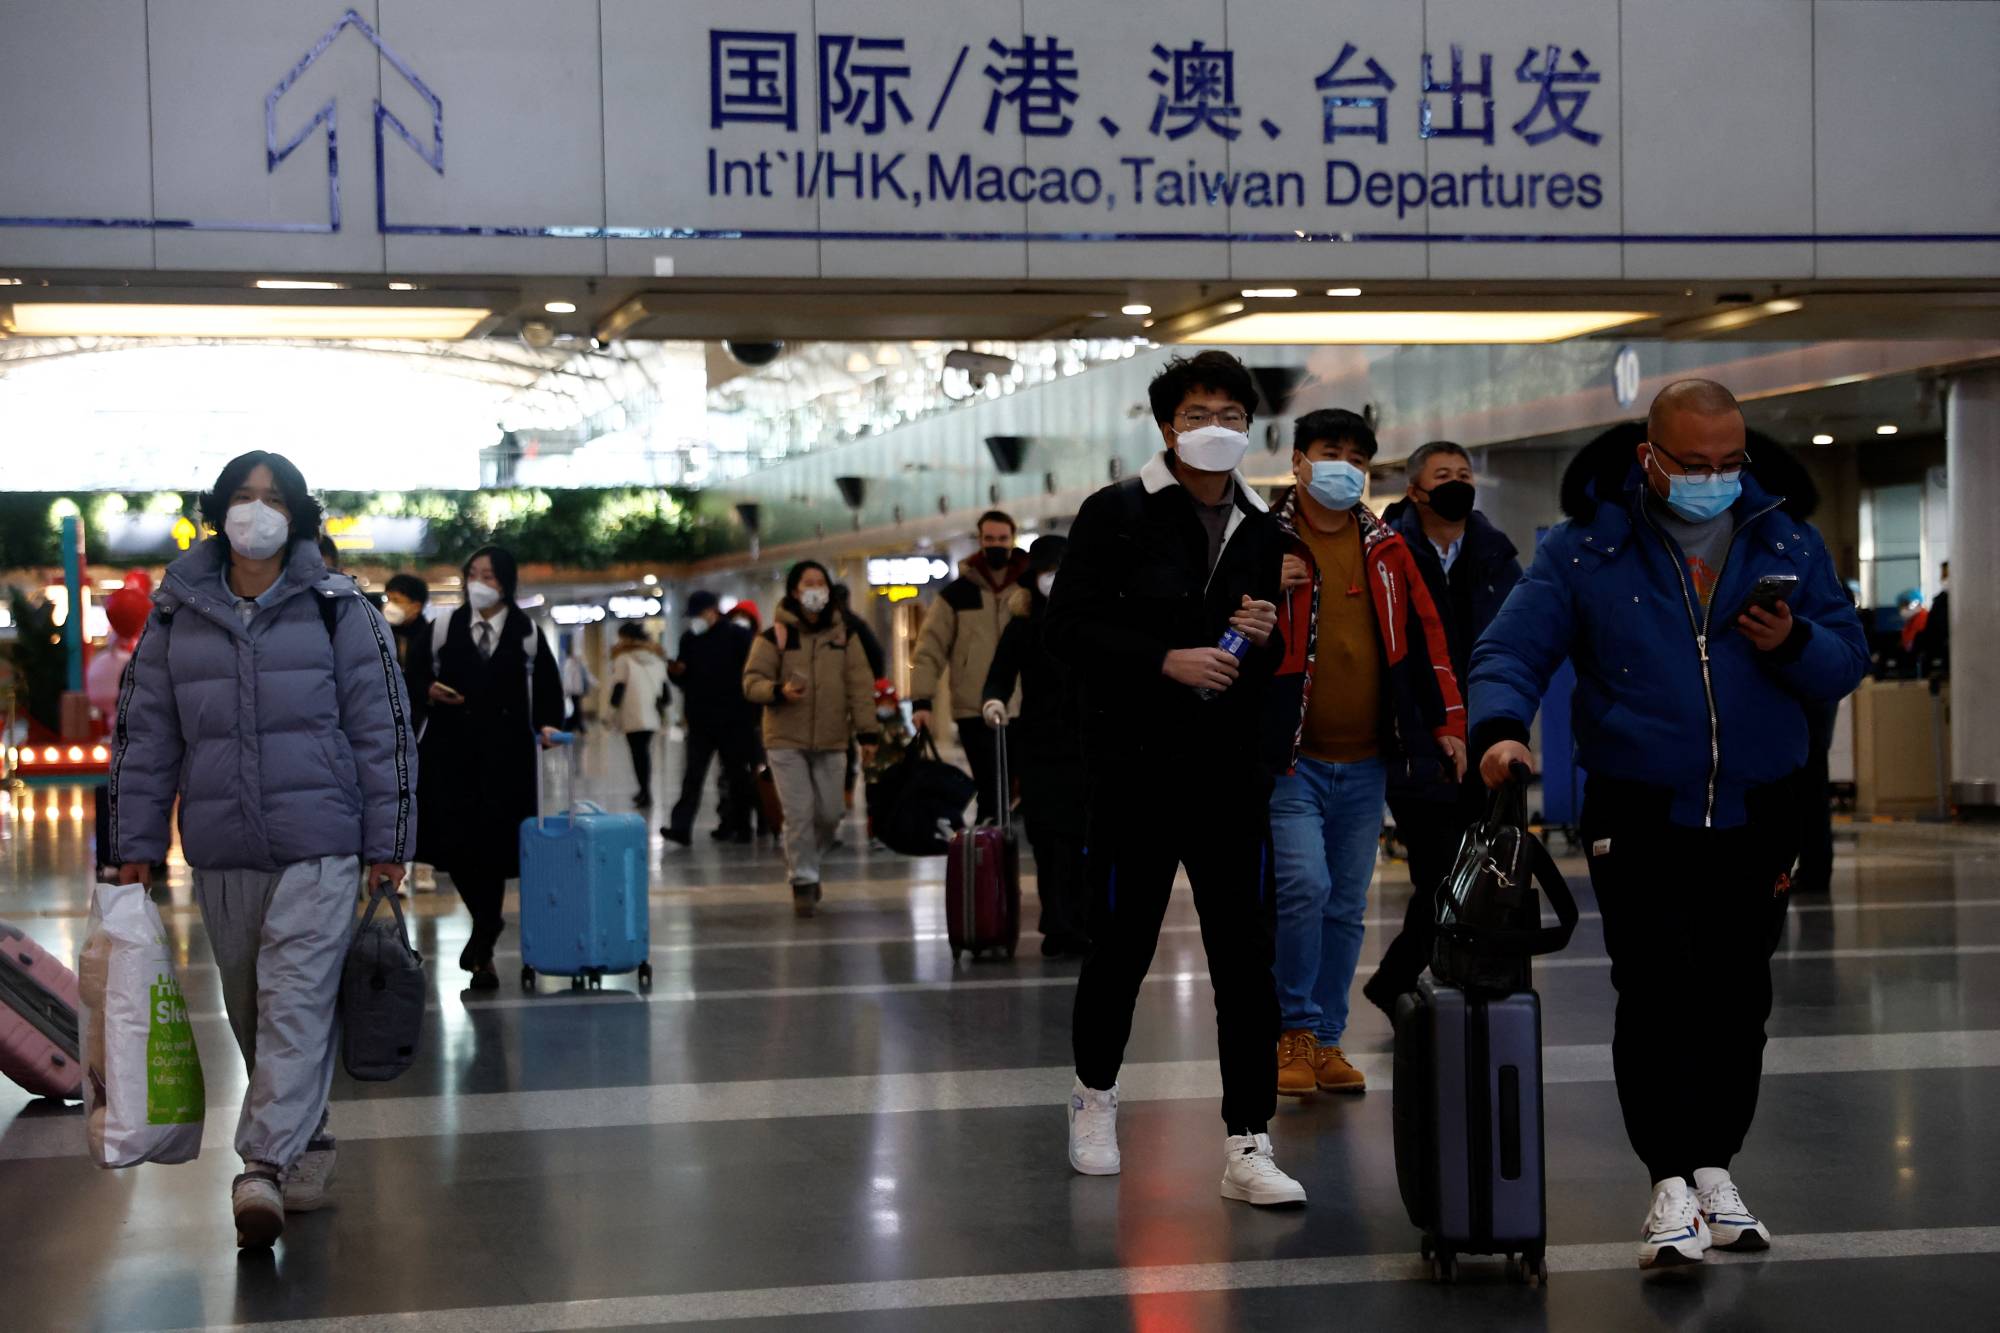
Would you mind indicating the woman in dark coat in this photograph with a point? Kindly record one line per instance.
(481, 744)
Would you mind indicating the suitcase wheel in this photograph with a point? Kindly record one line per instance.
(1010, 953)
(527, 978)
(645, 976)
(576, 982)
(1424, 1248)
(1535, 1270)
(1444, 1267)
(597, 981)
(955, 953)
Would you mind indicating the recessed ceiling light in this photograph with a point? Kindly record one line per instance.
(561, 307)
(1822, 439)
(106, 319)
(1389, 327)
(1136, 309)
(1885, 430)
(298, 285)
(1343, 291)
(1272, 293)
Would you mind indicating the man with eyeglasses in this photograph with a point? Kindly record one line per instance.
(1690, 714)
(1160, 568)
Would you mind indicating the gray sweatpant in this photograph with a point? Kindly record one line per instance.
(812, 788)
(280, 938)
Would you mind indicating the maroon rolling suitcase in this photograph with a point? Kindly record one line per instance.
(982, 896)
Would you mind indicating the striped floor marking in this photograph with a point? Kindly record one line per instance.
(1084, 1284)
(570, 1109)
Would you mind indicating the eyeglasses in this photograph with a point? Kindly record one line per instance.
(1702, 471)
(1196, 417)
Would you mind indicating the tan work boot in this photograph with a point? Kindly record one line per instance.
(1332, 1073)
(1296, 1052)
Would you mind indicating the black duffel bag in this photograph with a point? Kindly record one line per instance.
(382, 994)
(920, 801)
(1489, 916)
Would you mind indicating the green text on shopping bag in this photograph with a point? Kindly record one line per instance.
(174, 1091)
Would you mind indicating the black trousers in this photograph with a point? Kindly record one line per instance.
(1134, 849)
(738, 752)
(982, 753)
(640, 743)
(482, 895)
(1816, 805)
(1691, 917)
(1061, 879)
(1430, 832)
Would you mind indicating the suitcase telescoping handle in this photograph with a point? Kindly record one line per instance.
(1003, 803)
(535, 740)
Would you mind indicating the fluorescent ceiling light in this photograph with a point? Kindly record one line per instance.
(298, 285)
(402, 286)
(1885, 430)
(1275, 293)
(1343, 291)
(10, 282)
(1390, 327)
(79, 319)
(1136, 309)
(561, 307)
(1822, 439)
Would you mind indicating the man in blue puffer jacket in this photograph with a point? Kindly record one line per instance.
(266, 695)
(1690, 716)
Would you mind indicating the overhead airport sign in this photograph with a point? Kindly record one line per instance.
(1439, 139)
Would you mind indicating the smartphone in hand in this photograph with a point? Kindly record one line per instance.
(1770, 590)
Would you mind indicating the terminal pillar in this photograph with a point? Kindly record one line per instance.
(1972, 463)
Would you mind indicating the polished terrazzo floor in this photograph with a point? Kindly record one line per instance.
(826, 1125)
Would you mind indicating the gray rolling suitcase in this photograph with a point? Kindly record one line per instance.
(1468, 1120)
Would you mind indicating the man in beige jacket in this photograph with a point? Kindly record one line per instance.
(960, 635)
(813, 680)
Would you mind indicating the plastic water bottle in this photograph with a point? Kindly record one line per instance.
(1233, 643)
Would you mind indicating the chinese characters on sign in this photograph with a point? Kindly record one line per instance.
(868, 86)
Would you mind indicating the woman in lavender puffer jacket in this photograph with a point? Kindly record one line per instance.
(265, 694)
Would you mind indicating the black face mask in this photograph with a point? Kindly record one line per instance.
(998, 556)
(1452, 501)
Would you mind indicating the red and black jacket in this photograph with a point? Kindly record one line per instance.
(1420, 695)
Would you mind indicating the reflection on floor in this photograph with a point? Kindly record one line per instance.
(819, 1125)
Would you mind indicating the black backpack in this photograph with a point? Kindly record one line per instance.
(1489, 917)
(920, 801)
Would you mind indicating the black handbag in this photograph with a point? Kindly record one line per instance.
(1489, 915)
(381, 995)
(922, 800)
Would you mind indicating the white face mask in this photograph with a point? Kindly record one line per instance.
(255, 530)
(483, 596)
(1212, 448)
(1046, 582)
(394, 613)
(813, 600)
(698, 626)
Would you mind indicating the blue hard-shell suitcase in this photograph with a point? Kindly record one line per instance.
(583, 897)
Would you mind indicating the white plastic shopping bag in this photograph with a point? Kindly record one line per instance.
(142, 1090)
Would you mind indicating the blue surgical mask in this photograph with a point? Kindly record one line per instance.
(1337, 483)
(1698, 499)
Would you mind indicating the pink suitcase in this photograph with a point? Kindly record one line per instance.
(38, 1005)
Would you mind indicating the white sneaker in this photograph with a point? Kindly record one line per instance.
(1675, 1232)
(259, 1207)
(1093, 1130)
(307, 1183)
(1251, 1174)
(1731, 1225)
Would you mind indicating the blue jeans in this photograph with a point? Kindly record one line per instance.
(1326, 822)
